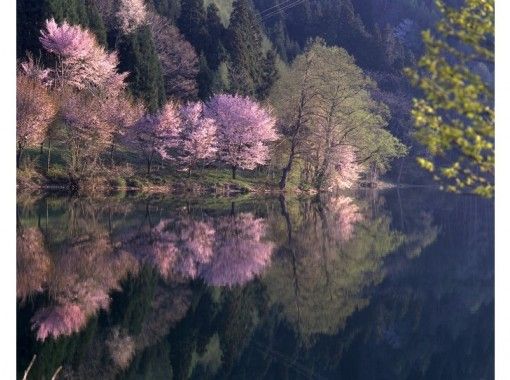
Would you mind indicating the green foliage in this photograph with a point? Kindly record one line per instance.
(138, 56)
(455, 117)
(245, 47)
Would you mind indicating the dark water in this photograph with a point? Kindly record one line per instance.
(388, 285)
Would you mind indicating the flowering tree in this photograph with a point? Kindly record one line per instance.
(35, 109)
(346, 170)
(153, 135)
(88, 131)
(197, 139)
(55, 321)
(82, 62)
(244, 129)
(179, 61)
(121, 112)
(34, 71)
(131, 15)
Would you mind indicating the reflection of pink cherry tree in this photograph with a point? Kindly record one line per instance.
(83, 275)
(343, 214)
(240, 254)
(32, 262)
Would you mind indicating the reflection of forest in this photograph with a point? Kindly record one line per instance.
(333, 252)
(162, 290)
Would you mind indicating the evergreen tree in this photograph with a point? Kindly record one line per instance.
(168, 8)
(138, 56)
(269, 74)
(192, 23)
(96, 23)
(204, 79)
(214, 50)
(245, 46)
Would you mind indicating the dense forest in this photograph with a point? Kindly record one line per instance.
(311, 93)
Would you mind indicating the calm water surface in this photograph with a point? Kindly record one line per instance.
(388, 285)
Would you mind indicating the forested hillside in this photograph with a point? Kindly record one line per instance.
(172, 52)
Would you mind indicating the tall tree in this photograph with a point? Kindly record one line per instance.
(138, 56)
(244, 129)
(455, 117)
(245, 47)
(325, 104)
(179, 61)
(35, 110)
(215, 50)
(191, 22)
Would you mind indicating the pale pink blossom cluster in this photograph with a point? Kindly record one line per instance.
(233, 129)
(55, 321)
(33, 71)
(35, 110)
(82, 62)
(244, 129)
(155, 135)
(347, 170)
(198, 142)
(131, 15)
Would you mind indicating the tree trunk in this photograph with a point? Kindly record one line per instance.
(49, 156)
(400, 172)
(18, 157)
(286, 170)
(234, 169)
(148, 166)
(112, 149)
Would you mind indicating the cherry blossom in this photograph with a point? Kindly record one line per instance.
(244, 129)
(131, 15)
(55, 321)
(197, 139)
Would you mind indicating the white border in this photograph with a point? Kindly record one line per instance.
(8, 188)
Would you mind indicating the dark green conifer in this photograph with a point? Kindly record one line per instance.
(138, 56)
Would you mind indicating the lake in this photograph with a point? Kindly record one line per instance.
(395, 284)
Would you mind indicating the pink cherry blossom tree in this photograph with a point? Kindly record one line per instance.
(81, 61)
(131, 15)
(154, 135)
(58, 320)
(87, 130)
(121, 112)
(244, 129)
(240, 253)
(346, 170)
(34, 71)
(197, 138)
(35, 110)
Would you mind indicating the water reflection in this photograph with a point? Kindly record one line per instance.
(255, 288)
